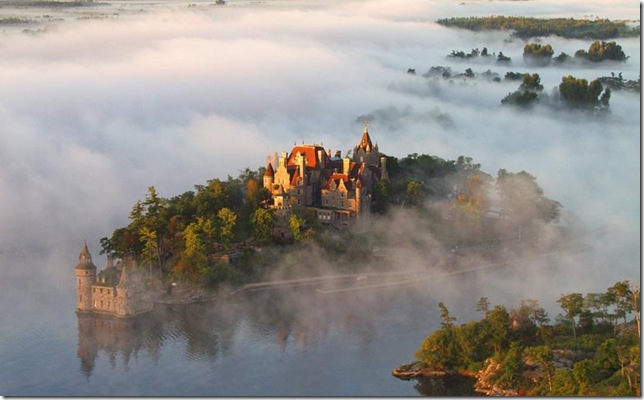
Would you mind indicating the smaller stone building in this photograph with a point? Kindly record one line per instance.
(117, 290)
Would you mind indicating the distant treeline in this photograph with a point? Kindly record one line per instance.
(51, 3)
(525, 27)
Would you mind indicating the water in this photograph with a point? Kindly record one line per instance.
(283, 342)
(286, 342)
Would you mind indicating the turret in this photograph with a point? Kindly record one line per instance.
(269, 177)
(85, 276)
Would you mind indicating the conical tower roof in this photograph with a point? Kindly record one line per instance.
(365, 142)
(85, 259)
(269, 170)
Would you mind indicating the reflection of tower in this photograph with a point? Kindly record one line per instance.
(87, 348)
(85, 275)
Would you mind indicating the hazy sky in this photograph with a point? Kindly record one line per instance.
(94, 111)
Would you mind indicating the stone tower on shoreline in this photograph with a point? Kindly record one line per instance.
(118, 290)
(85, 276)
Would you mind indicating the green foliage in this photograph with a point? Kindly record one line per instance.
(263, 221)
(532, 83)
(295, 224)
(525, 27)
(223, 273)
(601, 365)
(536, 54)
(562, 58)
(510, 374)
(523, 99)
(601, 51)
(573, 305)
(226, 221)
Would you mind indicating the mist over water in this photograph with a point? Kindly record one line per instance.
(93, 111)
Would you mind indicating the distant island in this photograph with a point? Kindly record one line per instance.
(252, 230)
(527, 27)
(592, 349)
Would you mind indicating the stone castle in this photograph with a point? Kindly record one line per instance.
(338, 190)
(116, 290)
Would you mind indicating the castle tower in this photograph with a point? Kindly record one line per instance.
(85, 276)
(269, 177)
(132, 296)
(365, 151)
(358, 197)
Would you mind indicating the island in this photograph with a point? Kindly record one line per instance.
(255, 232)
(592, 349)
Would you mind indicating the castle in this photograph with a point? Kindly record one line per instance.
(116, 290)
(338, 190)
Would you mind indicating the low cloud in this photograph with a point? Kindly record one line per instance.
(93, 112)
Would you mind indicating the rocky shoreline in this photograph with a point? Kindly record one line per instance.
(484, 378)
(482, 385)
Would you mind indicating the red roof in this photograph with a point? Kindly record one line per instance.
(310, 151)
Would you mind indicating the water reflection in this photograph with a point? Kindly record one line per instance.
(271, 342)
(283, 318)
(454, 386)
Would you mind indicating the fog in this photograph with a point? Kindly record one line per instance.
(93, 111)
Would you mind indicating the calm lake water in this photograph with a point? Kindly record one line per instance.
(287, 342)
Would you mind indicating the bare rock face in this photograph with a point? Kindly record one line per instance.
(484, 382)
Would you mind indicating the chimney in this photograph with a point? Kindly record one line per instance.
(383, 168)
(321, 158)
(346, 163)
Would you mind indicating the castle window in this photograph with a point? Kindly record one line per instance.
(80, 298)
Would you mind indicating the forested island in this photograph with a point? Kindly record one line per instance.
(591, 349)
(527, 27)
(223, 233)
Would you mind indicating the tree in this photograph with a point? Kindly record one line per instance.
(149, 239)
(448, 321)
(573, 305)
(543, 356)
(531, 83)
(198, 238)
(625, 299)
(522, 198)
(511, 367)
(534, 53)
(499, 328)
(579, 93)
(226, 223)
(295, 223)
(414, 192)
(263, 221)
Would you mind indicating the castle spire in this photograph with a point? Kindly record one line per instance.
(85, 258)
(365, 142)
